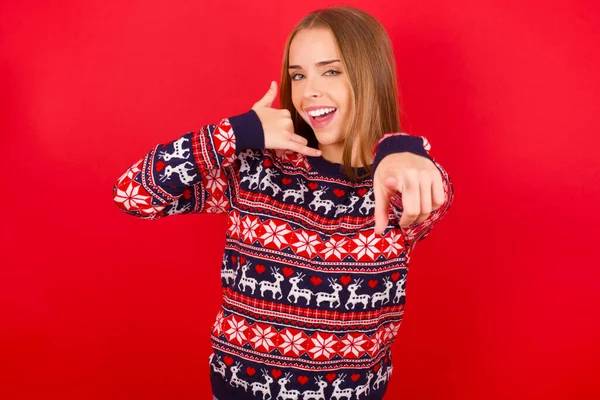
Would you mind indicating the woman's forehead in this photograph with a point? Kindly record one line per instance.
(310, 46)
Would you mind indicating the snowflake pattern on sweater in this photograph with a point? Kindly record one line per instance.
(312, 297)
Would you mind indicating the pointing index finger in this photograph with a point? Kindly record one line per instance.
(382, 201)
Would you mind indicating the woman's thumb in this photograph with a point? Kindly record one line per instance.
(269, 97)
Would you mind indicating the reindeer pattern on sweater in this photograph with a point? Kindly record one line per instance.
(312, 297)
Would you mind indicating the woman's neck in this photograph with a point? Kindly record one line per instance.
(333, 153)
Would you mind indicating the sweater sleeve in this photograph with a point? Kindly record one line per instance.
(189, 174)
(402, 142)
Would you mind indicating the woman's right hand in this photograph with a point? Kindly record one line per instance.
(278, 126)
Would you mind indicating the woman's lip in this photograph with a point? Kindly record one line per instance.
(320, 124)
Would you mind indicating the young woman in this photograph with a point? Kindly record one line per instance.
(315, 264)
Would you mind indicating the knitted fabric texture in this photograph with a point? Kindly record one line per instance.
(312, 297)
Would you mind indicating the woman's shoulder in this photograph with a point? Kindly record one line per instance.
(253, 161)
(288, 159)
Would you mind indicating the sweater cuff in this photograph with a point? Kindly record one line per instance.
(248, 132)
(398, 144)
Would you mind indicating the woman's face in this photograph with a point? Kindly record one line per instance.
(320, 85)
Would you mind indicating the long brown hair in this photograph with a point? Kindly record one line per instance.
(368, 58)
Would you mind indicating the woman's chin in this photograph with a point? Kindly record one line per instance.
(328, 139)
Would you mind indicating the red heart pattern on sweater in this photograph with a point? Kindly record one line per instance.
(339, 192)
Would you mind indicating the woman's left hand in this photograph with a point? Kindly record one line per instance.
(419, 181)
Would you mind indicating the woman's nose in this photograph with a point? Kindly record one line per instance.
(311, 90)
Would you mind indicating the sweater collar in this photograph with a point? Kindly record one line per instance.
(329, 168)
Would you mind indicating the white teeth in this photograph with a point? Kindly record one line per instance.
(321, 111)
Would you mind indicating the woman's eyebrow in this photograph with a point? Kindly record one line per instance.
(319, 64)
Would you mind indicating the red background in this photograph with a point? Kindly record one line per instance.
(503, 298)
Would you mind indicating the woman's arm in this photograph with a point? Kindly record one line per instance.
(401, 142)
(189, 174)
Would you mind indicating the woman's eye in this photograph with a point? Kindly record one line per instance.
(326, 73)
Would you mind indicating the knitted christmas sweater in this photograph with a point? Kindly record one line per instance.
(312, 297)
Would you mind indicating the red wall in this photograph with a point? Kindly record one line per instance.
(503, 299)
